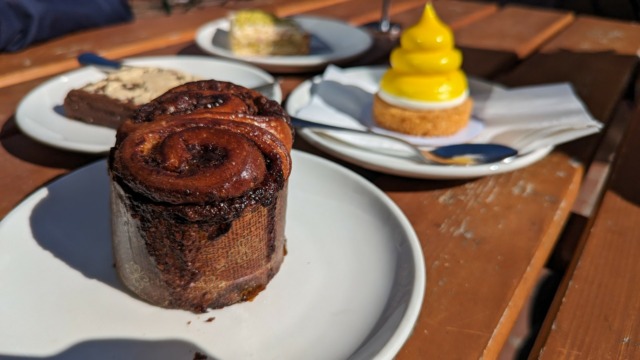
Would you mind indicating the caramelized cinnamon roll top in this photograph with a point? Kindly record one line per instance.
(230, 101)
(195, 159)
(205, 141)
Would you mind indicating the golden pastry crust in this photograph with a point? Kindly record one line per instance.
(436, 122)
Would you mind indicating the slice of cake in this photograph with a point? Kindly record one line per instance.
(111, 100)
(256, 32)
(425, 92)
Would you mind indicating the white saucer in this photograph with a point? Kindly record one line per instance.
(351, 285)
(301, 97)
(40, 113)
(333, 41)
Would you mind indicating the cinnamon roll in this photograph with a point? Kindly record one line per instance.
(199, 186)
(237, 103)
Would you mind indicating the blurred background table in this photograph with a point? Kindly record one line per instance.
(494, 247)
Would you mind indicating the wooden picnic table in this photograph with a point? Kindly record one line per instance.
(486, 241)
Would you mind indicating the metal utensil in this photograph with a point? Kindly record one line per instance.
(98, 61)
(384, 25)
(457, 154)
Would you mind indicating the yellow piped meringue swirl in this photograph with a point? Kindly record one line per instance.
(426, 66)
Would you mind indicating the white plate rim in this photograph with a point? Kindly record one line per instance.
(33, 123)
(413, 308)
(205, 34)
(396, 166)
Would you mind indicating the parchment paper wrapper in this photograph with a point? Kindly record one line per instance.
(219, 270)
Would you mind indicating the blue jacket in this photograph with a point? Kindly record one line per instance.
(23, 22)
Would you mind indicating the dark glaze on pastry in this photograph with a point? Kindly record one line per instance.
(199, 196)
(237, 103)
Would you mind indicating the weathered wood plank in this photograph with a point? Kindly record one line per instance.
(122, 40)
(599, 302)
(515, 29)
(483, 256)
(591, 34)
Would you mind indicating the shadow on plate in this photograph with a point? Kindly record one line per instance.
(72, 222)
(349, 99)
(124, 349)
(59, 109)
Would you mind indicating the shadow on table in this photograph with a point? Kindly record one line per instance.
(624, 181)
(72, 222)
(390, 183)
(540, 303)
(124, 349)
(22, 147)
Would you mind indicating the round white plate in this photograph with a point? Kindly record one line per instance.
(301, 96)
(40, 114)
(332, 41)
(351, 285)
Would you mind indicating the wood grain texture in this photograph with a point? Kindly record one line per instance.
(591, 34)
(122, 40)
(592, 190)
(363, 11)
(482, 255)
(598, 306)
(115, 41)
(485, 240)
(118, 41)
(458, 14)
(477, 62)
(454, 13)
(515, 29)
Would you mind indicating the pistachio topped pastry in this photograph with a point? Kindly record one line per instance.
(256, 32)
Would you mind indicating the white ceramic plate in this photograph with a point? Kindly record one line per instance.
(301, 96)
(351, 285)
(40, 114)
(332, 41)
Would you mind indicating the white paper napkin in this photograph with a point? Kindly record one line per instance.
(526, 118)
(532, 117)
